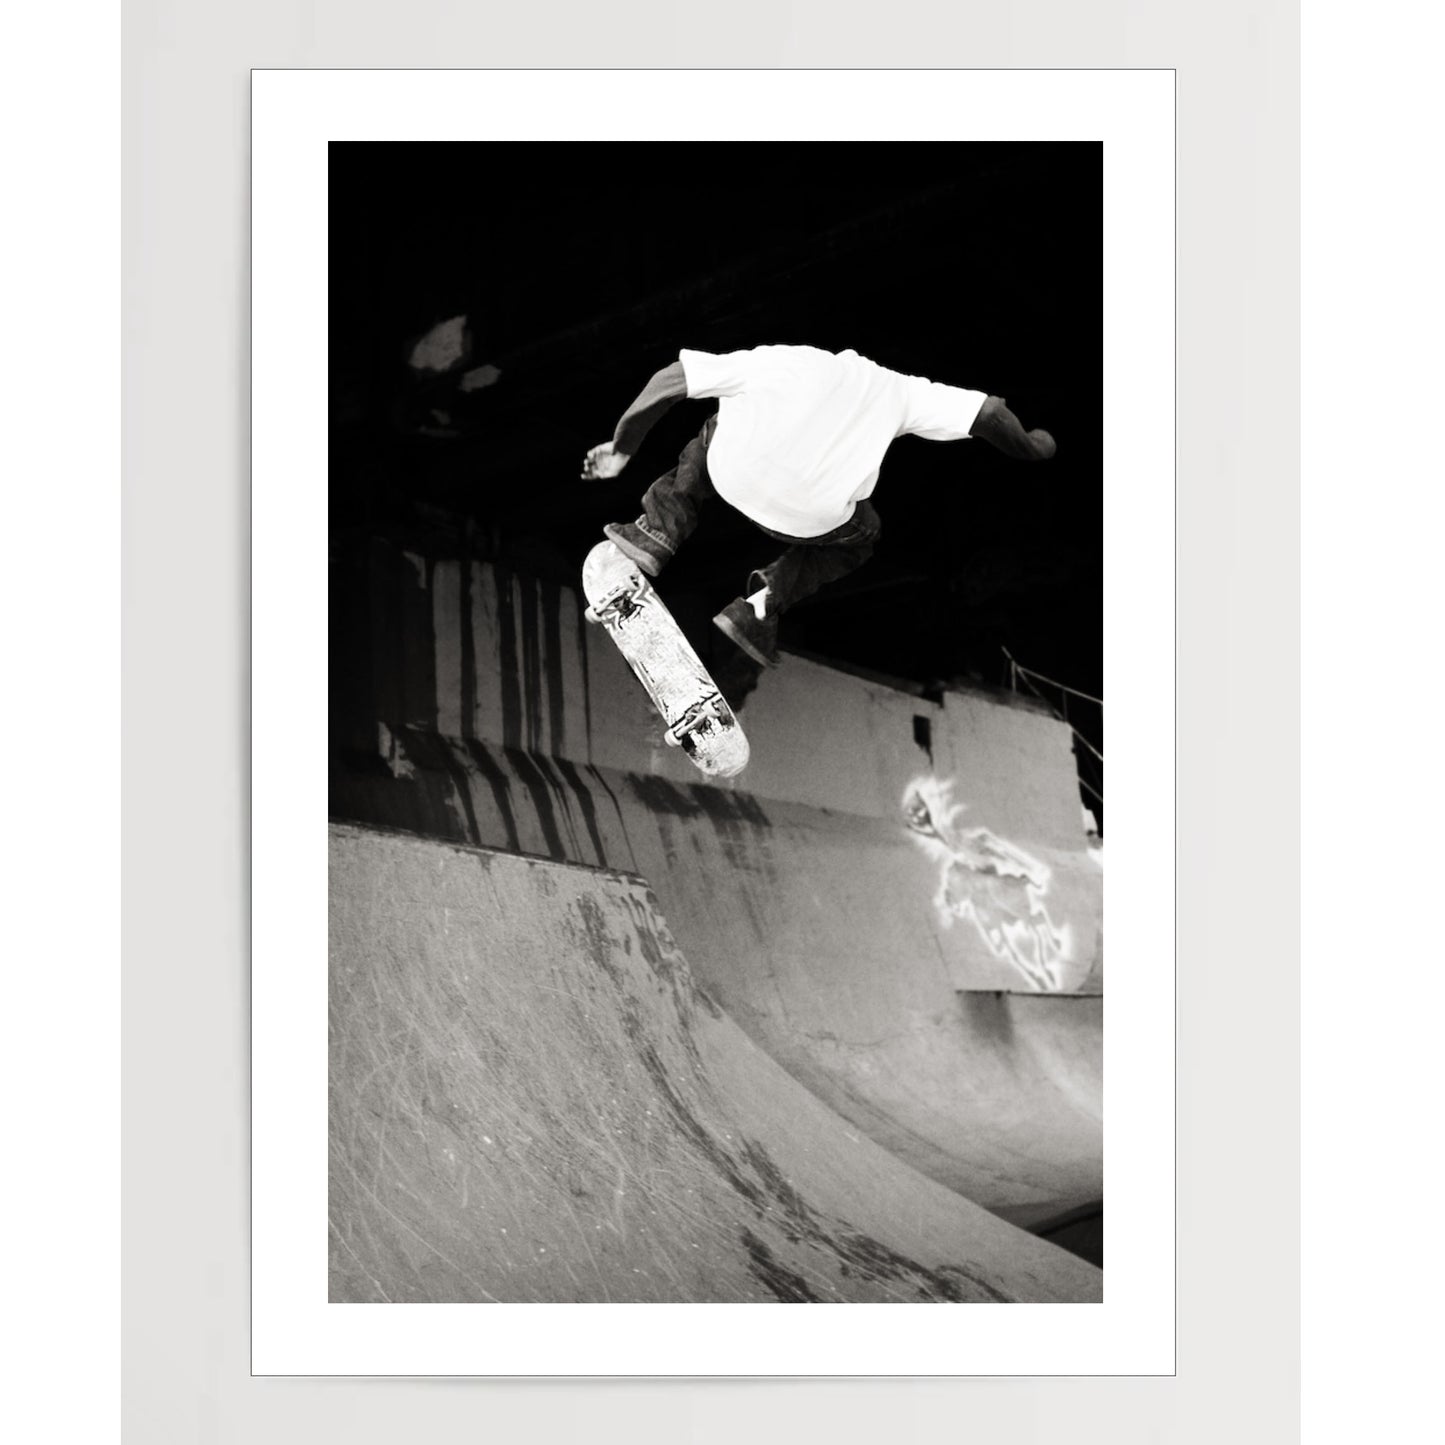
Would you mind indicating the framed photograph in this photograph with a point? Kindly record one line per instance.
(698, 518)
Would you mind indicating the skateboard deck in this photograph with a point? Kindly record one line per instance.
(696, 715)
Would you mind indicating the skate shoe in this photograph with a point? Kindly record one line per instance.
(639, 544)
(757, 636)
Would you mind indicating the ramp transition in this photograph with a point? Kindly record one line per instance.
(532, 1100)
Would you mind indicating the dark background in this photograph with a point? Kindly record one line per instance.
(582, 268)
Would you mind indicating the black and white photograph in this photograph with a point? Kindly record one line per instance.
(679, 797)
(715, 722)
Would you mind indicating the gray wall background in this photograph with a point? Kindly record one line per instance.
(186, 598)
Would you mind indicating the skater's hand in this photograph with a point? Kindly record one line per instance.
(1000, 428)
(604, 460)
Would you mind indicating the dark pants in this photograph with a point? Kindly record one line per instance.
(673, 502)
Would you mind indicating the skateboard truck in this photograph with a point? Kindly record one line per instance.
(624, 600)
(694, 718)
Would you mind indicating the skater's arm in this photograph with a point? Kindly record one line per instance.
(665, 389)
(1000, 428)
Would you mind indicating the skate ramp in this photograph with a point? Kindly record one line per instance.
(532, 1100)
(818, 932)
(896, 900)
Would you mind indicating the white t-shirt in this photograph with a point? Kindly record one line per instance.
(801, 432)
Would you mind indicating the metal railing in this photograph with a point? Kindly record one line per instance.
(1089, 758)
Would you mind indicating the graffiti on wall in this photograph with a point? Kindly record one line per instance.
(989, 882)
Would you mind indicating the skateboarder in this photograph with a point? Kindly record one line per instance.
(795, 445)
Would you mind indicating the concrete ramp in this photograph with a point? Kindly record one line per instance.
(896, 901)
(532, 1100)
(818, 932)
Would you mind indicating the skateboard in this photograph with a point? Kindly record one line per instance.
(696, 715)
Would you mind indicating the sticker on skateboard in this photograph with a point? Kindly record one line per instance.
(695, 714)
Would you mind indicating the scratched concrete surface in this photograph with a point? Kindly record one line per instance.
(817, 932)
(532, 1100)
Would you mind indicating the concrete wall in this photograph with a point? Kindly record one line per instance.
(478, 653)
